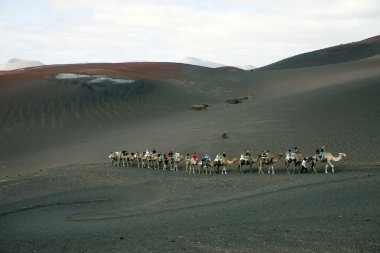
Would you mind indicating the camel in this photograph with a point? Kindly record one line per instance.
(297, 160)
(153, 160)
(143, 159)
(130, 158)
(190, 163)
(249, 162)
(114, 156)
(226, 162)
(207, 165)
(270, 160)
(327, 159)
(125, 159)
(175, 161)
(160, 161)
(118, 158)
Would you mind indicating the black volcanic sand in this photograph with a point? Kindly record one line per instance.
(98, 208)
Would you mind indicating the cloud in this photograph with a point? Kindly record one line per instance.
(253, 32)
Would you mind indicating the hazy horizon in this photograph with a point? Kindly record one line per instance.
(237, 32)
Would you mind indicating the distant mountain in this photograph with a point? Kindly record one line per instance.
(245, 67)
(331, 55)
(210, 64)
(16, 63)
(201, 62)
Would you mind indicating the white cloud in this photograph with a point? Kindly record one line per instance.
(235, 32)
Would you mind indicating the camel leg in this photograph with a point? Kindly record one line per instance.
(327, 165)
(296, 167)
(272, 170)
(286, 168)
(332, 167)
(261, 170)
(269, 169)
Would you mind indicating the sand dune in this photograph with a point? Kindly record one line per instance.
(155, 112)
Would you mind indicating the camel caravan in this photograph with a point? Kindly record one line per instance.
(219, 165)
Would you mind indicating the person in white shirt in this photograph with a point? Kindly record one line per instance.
(303, 166)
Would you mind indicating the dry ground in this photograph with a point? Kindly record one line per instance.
(99, 208)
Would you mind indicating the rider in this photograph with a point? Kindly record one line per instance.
(264, 155)
(195, 156)
(288, 156)
(247, 155)
(218, 157)
(322, 152)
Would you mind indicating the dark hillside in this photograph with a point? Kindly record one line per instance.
(336, 54)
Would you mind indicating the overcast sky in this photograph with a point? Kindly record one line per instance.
(233, 32)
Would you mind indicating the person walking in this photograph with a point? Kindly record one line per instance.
(303, 165)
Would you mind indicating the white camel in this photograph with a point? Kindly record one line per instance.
(328, 157)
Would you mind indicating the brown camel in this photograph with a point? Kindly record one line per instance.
(161, 161)
(249, 162)
(297, 160)
(225, 162)
(115, 158)
(177, 158)
(270, 160)
(327, 159)
(143, 159)
(119, 158)
(207, 165)
(153, 159)
(190, 163)
(128, 159)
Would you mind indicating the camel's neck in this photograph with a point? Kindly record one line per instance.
(337, 158)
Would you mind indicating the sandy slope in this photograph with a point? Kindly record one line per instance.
(51, 122)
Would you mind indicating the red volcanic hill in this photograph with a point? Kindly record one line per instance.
(140, 70)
